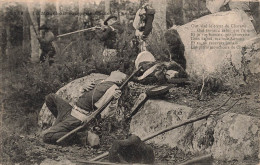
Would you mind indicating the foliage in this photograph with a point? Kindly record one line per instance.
(13, 17)
(31, 82)
(158, 46)
(12, 150)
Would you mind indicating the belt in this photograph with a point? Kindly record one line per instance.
(80, 113)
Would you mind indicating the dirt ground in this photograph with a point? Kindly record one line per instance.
(21, 143)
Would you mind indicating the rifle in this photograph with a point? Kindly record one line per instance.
(78, 31)
(185, 122)
(97, 112)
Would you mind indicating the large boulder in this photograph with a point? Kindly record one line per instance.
(159, 114)
(223, 58)
(228, 137)
(70, 92)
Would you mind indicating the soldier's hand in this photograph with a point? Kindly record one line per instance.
(117, 93)
(143, 37)
(103, 28)
(90, 87)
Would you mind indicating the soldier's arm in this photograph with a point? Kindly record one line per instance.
(175, 66)
(105, 33)
(118, 27)
(149, 23)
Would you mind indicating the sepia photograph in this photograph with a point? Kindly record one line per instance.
(109, 82)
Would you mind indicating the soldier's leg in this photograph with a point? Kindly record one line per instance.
(51, 54)
(58, 107)
(43, 56)
(61, 129)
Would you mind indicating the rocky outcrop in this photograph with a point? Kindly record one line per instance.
(227, 61)
(236, 137)
(228, 137)
(159, 114)
(70, 92)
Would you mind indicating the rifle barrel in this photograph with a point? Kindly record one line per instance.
(78, 31)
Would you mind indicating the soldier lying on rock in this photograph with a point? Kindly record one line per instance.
(157, 72)
(70, 117)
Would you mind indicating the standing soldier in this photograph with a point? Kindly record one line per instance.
(110, 31)
(143, 23)
(46, 44)
(88, 23)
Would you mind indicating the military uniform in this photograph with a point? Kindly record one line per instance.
(157, 72)
(143, 23)
(66, 115)
(110, 38)
(46, 45)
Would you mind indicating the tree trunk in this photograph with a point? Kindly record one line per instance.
(6, 45)
(107, 8)
(26, 31)
(185, 19)
(3, 38)
(80, 16)
(159, 23)
(35, 46)
(118, 10)
(8, 40)
(58, 17)
(42, 16)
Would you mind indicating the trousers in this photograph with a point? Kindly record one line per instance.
(64, 122)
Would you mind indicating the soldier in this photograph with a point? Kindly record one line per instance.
(143, 23)
(88, 23)
(110, 31)
(46, 44)
(157, 72)
(70, 117)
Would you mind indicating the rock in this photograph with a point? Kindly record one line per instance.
(228, 137)
(156, 115)
(251, 55)
(236, 137)
(93, 139)
(70, 92)
(218, 62)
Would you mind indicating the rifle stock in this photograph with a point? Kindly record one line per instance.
(98, 111)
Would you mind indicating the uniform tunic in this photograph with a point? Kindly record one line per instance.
(61, 109)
